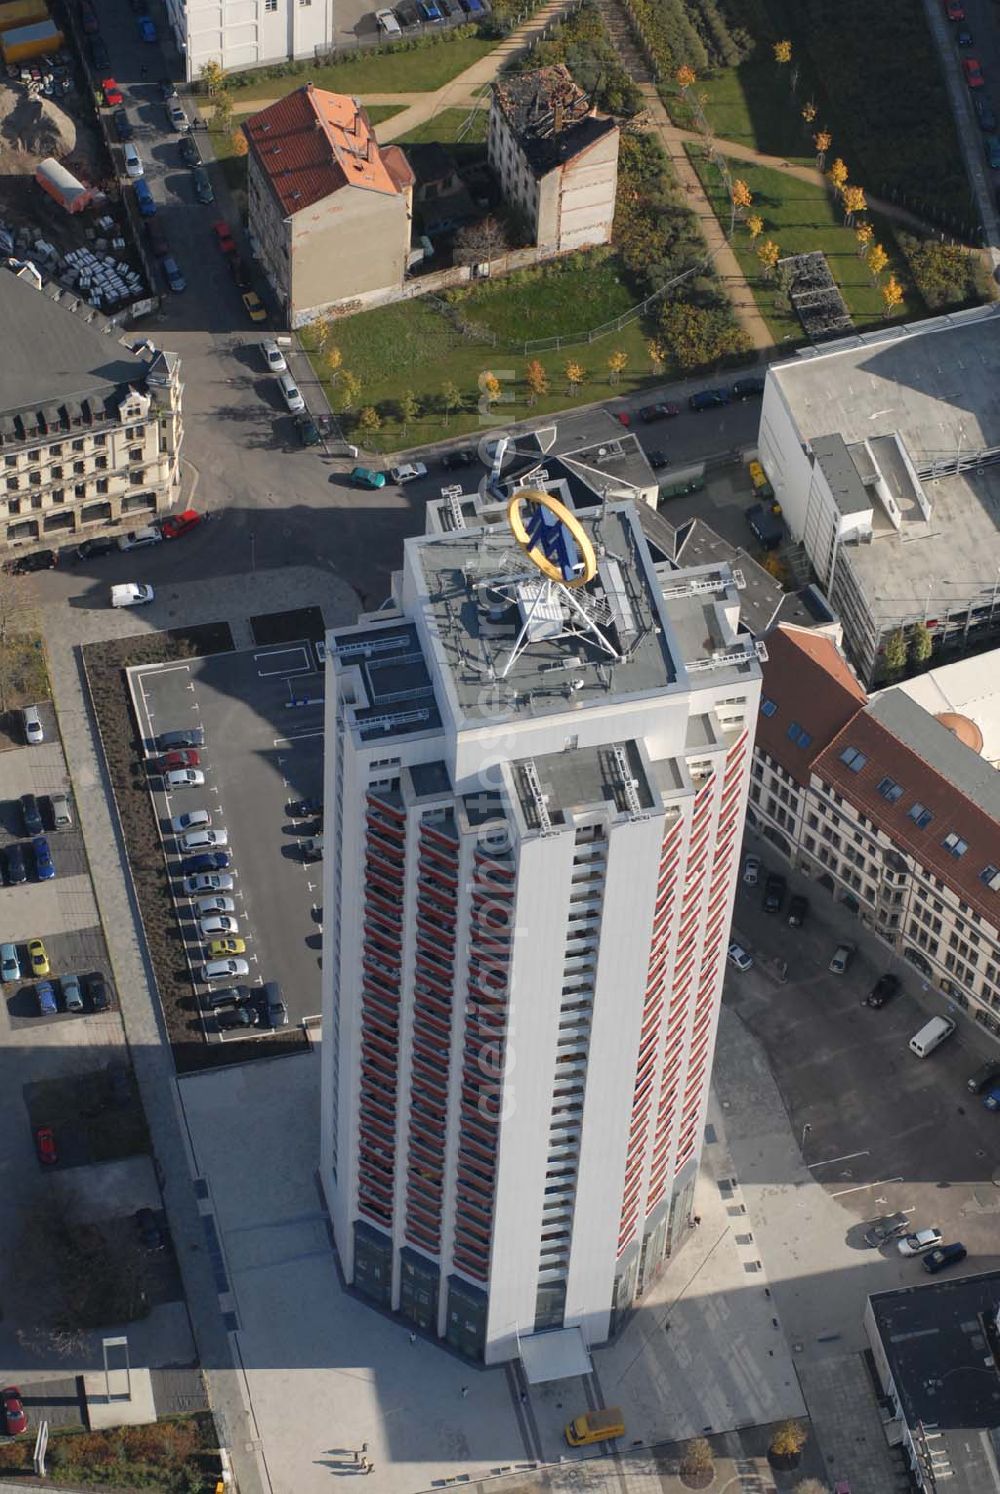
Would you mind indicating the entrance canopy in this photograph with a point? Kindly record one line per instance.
(558, 1354)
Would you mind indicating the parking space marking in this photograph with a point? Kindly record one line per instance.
(860, 1187)
(305, 667)
(845, 1158)
(300, 736)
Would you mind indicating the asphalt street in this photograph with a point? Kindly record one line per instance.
(982, 21)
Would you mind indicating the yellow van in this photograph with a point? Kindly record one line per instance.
(596, 1426)
(758, 478)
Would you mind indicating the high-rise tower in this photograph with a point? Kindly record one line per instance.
(536, 777)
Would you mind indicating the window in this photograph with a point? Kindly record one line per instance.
(80, 445)
(56, 450)
(798, 735)
(854, 759)
(767, 706)
(954, 844)
(270, 4)
(891, 790)
(920, 815)
(991, 876)
(135, 454)
(12, 484)
(57, 472)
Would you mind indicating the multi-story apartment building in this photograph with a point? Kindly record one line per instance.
(890, 807)
(329, 209)
(536, 794)
(884, 450)
(556, 159)
(90, 432)
(248, 33)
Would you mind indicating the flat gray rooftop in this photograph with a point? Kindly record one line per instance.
(469, 580)
(941, 1347)
(397, 685)
(936, 382)
(938, 562)
(581, 778)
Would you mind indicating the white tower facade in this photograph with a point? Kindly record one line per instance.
(536, 799)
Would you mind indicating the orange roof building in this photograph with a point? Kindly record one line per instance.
(329, 209)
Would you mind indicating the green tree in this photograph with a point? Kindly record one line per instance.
(409, 409)
(895, 652)
(223, 117)
(921, 643)
(700, 335)
(369, 420)
(451, 399)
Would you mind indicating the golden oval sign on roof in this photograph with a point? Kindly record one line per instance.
(552, 537)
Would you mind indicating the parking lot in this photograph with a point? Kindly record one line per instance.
(879, 1128)
(262, 716)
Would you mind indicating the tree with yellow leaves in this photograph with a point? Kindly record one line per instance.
(876, 259)
(576, 375)
(755, 226)
(238, 143)
(657, 356)
(822, 141)
(685, 76)
(489, 386)
(864, 233)
(369, 420)
(741, 194)
(768, 253)
(617, 362)
(854, 201)
(536, 380)
(349, 390)
(892, 295)
(212, 76)
(332, 361)
(808, 112)
(782, 52)
(838, 175)
(223, 116)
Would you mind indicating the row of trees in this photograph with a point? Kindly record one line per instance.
(216, 84)
(697, 1461)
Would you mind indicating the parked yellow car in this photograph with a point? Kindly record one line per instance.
(220, 948)
(39, 959)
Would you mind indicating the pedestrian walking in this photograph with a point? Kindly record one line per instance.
(413, 1338)
(364, 1447)
(465, 1391)
(369, 1466)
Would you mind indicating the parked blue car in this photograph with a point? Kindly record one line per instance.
(144, 199)
(47, 1004)
(44, 868)
(172, 271)
(147, 31)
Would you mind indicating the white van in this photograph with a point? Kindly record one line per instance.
(133, 161)
(931, 1036)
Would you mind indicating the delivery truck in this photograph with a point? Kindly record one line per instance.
(596, 1426)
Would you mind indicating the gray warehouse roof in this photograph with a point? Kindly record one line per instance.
(52, 354)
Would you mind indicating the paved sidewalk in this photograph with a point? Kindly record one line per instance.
(65, 629)
(847, 1423)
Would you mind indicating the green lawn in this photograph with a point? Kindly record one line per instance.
(397, 70)
(799, 218)
(414, 346)
(444, 127)
(752, 105)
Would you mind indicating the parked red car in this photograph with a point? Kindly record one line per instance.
(46, 1143)
(177, 524)
(224, 237)
(186, 757)
(953, 10)
(973, 72)
(13, 1411)
(112, 93)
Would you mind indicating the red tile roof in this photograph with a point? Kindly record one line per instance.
(952, 810)
(312, 143)
(811, 686)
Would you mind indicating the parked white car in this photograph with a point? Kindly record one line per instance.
(32, 723)
(224, 969)
(184, 778)
(136, 538)
(751, 871)
(387, 22)
(195, 819)
(217, 926)
(131, 594)
(408, 472)
(919, 1241)
(290, 394)
(215, 904)
(133, 162)
(204, 840)
(273, 356)
(207, 882)
(738, 957)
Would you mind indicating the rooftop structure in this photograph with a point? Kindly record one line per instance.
(964, 697)
(550, 116)
(537, 765)
(882, 449)
(937, 1353)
